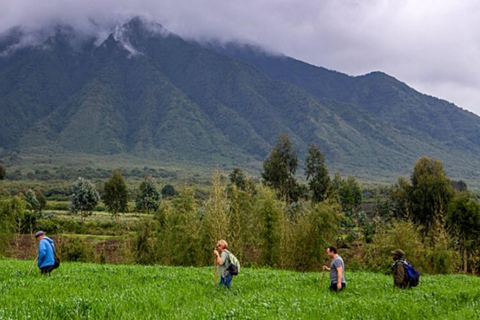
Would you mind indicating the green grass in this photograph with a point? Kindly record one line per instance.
(89, 291)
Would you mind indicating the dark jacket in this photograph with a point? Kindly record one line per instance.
(400, 277)
(46, 256)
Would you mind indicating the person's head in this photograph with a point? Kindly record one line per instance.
(39, 235)
(331, 251)
(397, 254)
(222, 245)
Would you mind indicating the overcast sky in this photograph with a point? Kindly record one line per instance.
(432, 45)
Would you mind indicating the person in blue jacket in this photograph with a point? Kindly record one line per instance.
(46, 255)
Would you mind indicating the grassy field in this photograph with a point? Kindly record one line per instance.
(89, 291)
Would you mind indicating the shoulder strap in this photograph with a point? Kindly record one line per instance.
(53, 248)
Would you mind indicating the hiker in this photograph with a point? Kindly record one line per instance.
(400, 279)
(221, 255)
(46, 254)
(337, 270)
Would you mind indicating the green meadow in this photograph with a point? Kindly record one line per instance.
(94, 291)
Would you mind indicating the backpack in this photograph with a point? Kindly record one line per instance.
(234, 266)
(56, 259)
(412, 274)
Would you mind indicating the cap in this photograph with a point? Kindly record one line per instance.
(398, 252)
(39, 233)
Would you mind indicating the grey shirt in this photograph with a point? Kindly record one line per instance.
(336, 263)
(222, 269)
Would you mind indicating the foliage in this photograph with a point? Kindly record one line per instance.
(115, 195)
(317, 174)
(270, 214)
(148, 198)
(76, 249)
(168, 191)
(279, 169)
(32, 203)
(84, 197)
(7, 223)
(42, 201)
(464, 223)
(430, 194)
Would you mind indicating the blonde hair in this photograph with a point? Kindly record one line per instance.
(223, 243)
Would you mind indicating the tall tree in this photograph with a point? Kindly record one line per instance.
(115, 194)
(279, 169)
(42, 201)
(464, 224)
(317, 174)
(237, 177)
(430, 194)
(31, 200)
(148, 198)
(84, 197)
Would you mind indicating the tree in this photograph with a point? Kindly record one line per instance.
(3, 172)
(168, 191)
(464, 224)
(148, 198)
(115, 194)
(279, 169)
(84, 197)
(399, 195)
(42, 201)
(430, 194)
(317, 174)
(32, 203)
(237, 177)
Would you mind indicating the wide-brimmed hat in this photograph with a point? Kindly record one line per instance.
(39, 233)
(398, 253)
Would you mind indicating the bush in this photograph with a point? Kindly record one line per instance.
(77, 249)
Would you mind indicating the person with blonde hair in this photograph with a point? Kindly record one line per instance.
(223, 261)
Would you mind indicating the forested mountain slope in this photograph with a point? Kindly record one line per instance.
(149, 93)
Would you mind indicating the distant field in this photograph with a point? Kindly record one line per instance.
(89, 291)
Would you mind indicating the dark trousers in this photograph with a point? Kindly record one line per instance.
(46, 270)
(333, 286)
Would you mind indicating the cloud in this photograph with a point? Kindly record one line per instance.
(431, 45)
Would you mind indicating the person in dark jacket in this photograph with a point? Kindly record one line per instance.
(398, 270)
(46, 254)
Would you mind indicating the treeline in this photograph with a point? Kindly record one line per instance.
(69, 173)
(283, 223)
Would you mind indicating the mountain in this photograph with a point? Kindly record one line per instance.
(146, 92)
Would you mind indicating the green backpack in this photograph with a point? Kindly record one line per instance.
(234, 266)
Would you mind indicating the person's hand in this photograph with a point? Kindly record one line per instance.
(339, 285)
(326, 268)
(215, 253)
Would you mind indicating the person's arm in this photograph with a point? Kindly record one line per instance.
(399, 274)
(219, 258)
(326, 268)
(339, 277)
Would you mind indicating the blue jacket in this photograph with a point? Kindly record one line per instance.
(46, 256)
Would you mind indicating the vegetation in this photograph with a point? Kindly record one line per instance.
(115, 194)
(84, 197)
(317, 174)
(153, 292)
(279, 169)
(148, 198)
(174, 103)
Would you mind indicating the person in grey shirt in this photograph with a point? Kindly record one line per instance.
(221, 256)
(337, 270)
